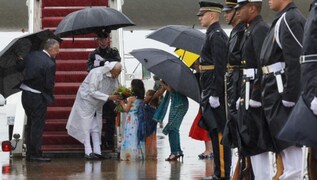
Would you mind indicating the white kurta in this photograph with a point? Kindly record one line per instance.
(91, 96)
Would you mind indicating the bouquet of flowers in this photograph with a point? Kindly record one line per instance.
(124, 93)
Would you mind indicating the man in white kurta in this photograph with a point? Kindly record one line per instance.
(85, 119)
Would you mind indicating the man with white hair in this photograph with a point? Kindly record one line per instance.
(85, 119)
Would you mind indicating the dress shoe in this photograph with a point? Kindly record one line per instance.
(38, 159)
(206, 156)
(100, 156)
(91, 156)
(174, 157)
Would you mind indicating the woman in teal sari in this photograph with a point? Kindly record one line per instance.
(178, 109)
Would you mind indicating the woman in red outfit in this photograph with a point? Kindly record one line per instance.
(197, 132)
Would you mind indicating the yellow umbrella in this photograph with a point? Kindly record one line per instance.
(188, 57)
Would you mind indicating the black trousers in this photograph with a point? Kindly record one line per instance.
(222, 156)
(109, 117)
(35, 107)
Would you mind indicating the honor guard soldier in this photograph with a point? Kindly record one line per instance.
(253, 128)
(213, 60)
(233, 86)
(306, 106)
(280, 54)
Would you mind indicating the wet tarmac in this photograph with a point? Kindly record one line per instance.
(79, 168)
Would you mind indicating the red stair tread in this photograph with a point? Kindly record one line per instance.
(58, 138)
(51, 21)
(89, 43)
(71, 65)
(58, 12)
(70, 76)
(46, 3)
(63, 148)
(63, 101)
(73, 55)
(55, 125)
(66, 88)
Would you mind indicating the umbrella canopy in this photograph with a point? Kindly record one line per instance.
(188, 57)
(301, 126)
(170, 69)
(180, 36)
(19, 47)
(92, 20)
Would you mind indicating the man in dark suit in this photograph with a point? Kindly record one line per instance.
(37, 92)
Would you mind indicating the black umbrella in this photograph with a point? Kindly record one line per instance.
(92, 20)
(301, 126)
(179, 36)
(170, 69)
(19, 47)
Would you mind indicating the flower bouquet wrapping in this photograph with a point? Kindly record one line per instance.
(124, 93)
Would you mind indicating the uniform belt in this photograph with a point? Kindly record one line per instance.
(308, 58)
(206, 67)
(250, 73)
(274, 68)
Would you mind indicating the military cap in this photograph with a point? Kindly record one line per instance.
(244, 2)
(229, 5)
(103, 33)
(209, 5)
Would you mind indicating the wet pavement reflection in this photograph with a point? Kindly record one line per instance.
(78, 168)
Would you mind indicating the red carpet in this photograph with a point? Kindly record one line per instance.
(71, 66)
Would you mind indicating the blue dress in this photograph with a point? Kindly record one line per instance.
(132, 149)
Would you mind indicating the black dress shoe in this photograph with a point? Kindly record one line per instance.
(91, 156)
(100, 156)
(38, 159)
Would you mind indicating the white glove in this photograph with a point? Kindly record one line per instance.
(313, 105)
(96, 63)
(214, 102)
(238, 104)
(288, 103)
(255, 104)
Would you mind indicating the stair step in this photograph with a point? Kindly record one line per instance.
(70, 76)
(66, 88)
(73, 55)
(74, 3)
(63, 148)
(71, 65)
(89, 43)
(58, 112)
(51, 21)
(58, 12)
(55, 125)
(63, 101)
(58, 138)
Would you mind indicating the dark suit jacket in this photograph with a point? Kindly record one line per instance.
(39, 73)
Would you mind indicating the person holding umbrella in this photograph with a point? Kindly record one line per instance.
(178, 109)
(213, 60)
(97, 58)
(37, 92)
(281, 78)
